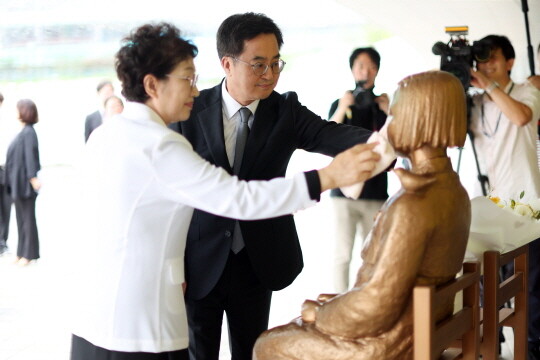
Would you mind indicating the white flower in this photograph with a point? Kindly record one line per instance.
(523, 210)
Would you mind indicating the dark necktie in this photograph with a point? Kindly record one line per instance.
(241, 139)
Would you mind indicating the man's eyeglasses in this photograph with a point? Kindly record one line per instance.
(260, 69)
(192, 79)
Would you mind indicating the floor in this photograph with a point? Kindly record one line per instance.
(34, 324)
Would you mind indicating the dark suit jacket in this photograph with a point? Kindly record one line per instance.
(92, 121)
(22, 164)
(281, 125)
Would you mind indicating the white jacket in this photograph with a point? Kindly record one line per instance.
(141, 182)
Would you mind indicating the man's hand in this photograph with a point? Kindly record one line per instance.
(36, 184)
(346, 100)
(383, 101)
(343, 109)
(349, 167)
(479, 80)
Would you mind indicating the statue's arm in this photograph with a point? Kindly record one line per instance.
(377, 304)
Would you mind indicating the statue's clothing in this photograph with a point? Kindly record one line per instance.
(419, 238)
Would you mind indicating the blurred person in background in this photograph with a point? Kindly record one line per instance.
(21, 170)
(361, 108)
(113, 106)
(5, 205)
(104, 89)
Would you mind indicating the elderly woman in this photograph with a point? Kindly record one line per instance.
(22, 183)
(419, 237)
(141, 183)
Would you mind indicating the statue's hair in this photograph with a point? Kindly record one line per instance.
(428, 108)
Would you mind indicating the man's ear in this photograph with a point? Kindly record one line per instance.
(509, 64)
(150, 83)
(226, 64)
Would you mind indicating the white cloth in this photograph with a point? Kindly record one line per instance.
(140, 184)
(387, 153)
(508, 150)
(231, 120)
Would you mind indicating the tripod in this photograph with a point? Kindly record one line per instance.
(483, 179)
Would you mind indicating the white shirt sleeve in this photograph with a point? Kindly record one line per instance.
(197, 183)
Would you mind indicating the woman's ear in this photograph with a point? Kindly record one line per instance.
(150, 83)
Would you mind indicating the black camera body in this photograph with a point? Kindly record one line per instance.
(363, 98)
(458, 57)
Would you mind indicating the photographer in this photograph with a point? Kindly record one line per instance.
(362, 108)
(505, 135)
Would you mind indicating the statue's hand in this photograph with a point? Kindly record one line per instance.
(309, 310)
(325, 297)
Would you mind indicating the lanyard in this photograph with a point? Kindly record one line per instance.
(484, 129)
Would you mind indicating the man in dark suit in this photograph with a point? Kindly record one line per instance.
(233, 266)
(104, 89)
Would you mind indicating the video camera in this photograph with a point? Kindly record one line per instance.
(457, 56)
(363, 98)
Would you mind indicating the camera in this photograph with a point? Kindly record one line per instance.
(363, 98)
(457, 56)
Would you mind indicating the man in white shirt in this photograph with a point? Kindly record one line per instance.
(504, 127)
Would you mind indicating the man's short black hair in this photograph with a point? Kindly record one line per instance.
(238, 28)
(102, 84)
(371, 52)
(500, 42)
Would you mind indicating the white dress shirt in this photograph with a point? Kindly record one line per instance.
(140, 184)
(508, 150)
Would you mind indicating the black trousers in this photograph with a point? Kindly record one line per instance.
(84, 350)
(5, 212)
(25, 210)
(246, 302)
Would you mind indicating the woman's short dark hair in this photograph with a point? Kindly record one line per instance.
(238, 28)
(150, 49)
(27, 111)
(371, 52)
